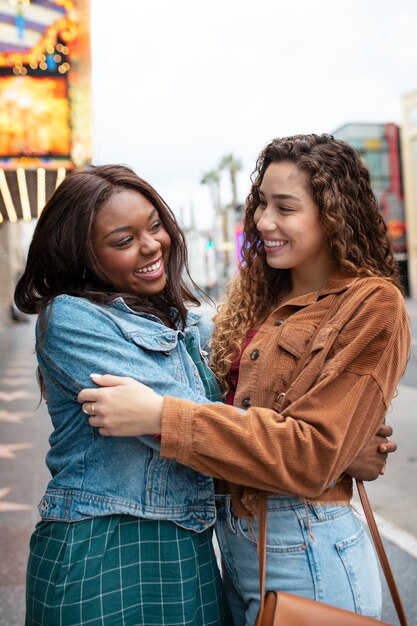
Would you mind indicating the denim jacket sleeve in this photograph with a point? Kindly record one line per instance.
(82, 338)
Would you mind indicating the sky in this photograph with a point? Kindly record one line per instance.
(178, 84)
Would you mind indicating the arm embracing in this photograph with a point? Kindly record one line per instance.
(307, 446)
(82, 339)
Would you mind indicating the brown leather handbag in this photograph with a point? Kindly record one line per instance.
(285, 609)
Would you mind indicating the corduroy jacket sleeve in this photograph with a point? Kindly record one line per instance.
(309, 444)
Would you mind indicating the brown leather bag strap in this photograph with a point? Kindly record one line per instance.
(262, 547)
(376, 537)
(383, 559)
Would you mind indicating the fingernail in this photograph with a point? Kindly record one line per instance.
(95, 375)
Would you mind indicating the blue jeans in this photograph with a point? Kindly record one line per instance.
(317, 551)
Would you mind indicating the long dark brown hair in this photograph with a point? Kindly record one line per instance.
(339, 183)
(61, 258)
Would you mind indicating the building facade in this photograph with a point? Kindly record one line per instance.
(409, 160)
(45, 116)
(380, 147)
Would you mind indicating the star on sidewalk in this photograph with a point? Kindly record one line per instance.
(17, 371)
(15, 382)
(7, 450)
(11, 506)
(9, 396)
(13, 417)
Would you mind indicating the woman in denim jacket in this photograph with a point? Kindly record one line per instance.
(125, 536)
(316, 252)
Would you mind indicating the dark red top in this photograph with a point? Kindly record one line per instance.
(234, 370)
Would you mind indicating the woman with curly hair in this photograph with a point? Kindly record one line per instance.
(318, 284)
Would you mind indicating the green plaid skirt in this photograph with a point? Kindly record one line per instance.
(122, 570)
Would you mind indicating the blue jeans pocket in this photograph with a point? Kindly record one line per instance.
(276, 542)
(364, 581)
(280, 538)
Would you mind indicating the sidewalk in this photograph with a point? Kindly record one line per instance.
(412, 306)
(24, 431)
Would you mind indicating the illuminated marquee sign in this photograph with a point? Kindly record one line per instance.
(34, 117)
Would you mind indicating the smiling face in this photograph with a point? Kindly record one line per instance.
(131, 244)
(289, 224)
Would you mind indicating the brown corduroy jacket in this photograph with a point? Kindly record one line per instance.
(334, 405)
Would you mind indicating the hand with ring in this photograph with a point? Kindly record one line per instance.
(89, 408)
(121, 407)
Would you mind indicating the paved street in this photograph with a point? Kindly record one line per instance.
(24, 430)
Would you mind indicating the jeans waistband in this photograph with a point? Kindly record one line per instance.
(277, 503)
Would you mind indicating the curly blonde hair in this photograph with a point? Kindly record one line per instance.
(339, 183)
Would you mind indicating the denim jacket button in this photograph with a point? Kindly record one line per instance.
(254, 354)
(279, 322)
(246, 402)
(43, 505)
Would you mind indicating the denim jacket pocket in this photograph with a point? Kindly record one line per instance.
(162, 342)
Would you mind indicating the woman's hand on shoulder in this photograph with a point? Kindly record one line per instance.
(122, 406)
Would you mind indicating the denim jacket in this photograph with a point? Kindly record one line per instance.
(94, 475)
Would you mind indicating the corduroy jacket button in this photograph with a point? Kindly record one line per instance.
(279, 322)
(246, 402)
(254, 354)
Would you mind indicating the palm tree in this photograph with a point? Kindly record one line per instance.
(229, 162)
(212, 179)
